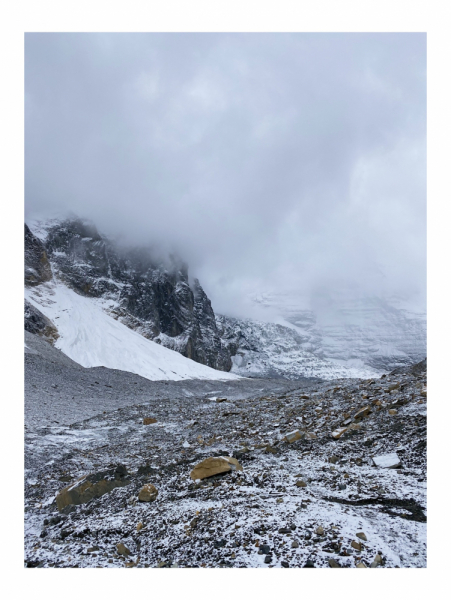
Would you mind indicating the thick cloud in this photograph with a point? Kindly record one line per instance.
(269, 161)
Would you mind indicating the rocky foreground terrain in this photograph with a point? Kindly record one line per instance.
(308, 473)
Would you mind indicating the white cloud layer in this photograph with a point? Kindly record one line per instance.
(268, 161)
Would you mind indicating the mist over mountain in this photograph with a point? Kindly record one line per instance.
(271, 163)
(225, 299)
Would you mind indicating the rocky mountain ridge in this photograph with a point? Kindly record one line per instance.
(346, 336)
(153, 297)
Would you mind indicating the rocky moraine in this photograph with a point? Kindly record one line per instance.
(125, 472)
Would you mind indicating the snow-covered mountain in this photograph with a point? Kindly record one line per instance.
(347, 335)
(103, 304)
(148, 293)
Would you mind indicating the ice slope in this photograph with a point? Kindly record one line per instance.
(381, 333)
(283, 351)
(92, 338)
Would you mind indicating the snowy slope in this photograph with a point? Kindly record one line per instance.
(380, 333)
(92, 338)
(283, 351)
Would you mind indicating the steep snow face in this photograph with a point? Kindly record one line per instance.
(262, 349)
(381, 333)
(93, 338)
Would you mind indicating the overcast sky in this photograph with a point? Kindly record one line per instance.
(268, 161)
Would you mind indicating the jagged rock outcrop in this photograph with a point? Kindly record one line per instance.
(37, 266)
(39, 324)
(149, 294)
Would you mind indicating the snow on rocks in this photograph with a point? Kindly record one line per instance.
(226, 519)
(92, 486)
(214, 466)
(387, 461)
(148, 493)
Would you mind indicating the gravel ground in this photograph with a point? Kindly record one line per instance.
(60, 391)
(315, 502)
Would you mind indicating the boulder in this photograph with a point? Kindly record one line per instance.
(92, 486)
(363, 412)
(214, 466)
(333, 564)
(149, 421)
(361, 535)
(122, 549)
(338, 432)
(356, 545)
(148, 493)
(387, 461)
(293, 436)
(354, 427)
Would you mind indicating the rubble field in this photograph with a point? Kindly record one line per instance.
(321, 475)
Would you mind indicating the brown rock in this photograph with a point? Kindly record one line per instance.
(139, 526)
(148, 493)
(149, 421)
(333, 564)
(392, 411)
(356, 545)
(214, 466)
(361, 535)
(354, 427)
(92, 486)
(363, 412)
(300, 483)
(293, 436)
(360, 565)
(221, 400)
(319, 530)
(378, 559)
(123, 550)
(338, 432)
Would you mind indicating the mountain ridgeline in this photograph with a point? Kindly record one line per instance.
(152, 296)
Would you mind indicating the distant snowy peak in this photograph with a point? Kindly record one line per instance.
(261, 349)
(349, 329)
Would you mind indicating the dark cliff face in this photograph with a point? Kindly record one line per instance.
(152, 296)
(39, 324)
(37, 266)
